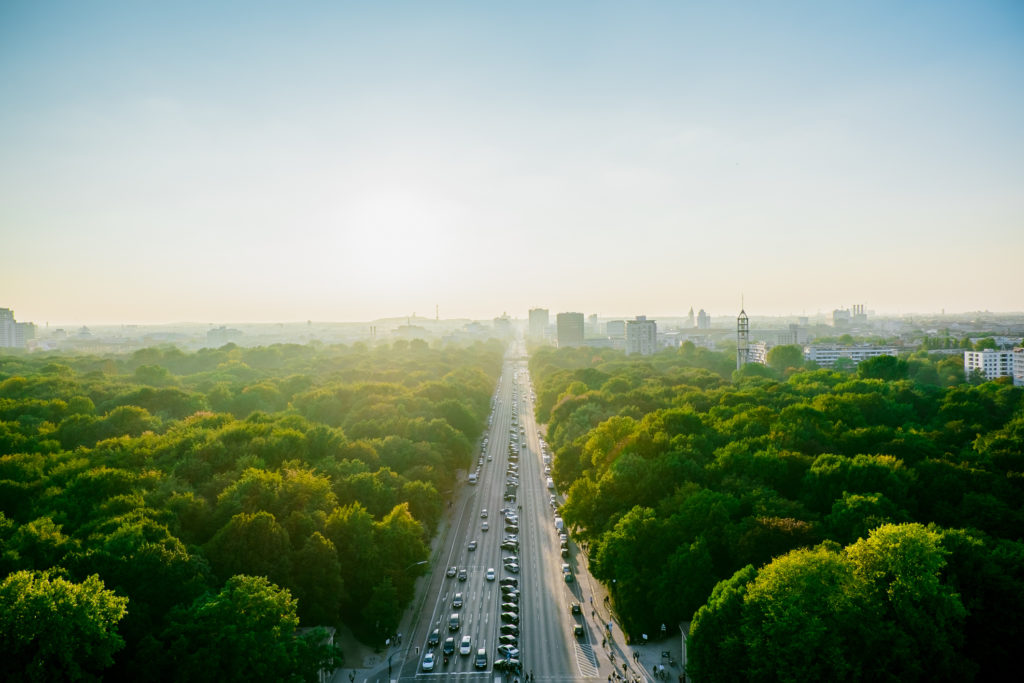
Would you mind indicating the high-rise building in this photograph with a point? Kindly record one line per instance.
(703, 320)
(12, 333)
(641, 336)
(592, 327)
(570, 329)
(616, 329)
(538, 323)
(689, 319)
(1018, 366)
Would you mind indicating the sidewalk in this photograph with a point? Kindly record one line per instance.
(638, 660)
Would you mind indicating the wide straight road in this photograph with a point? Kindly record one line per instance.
(549, 648)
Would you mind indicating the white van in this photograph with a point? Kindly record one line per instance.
(472, 477)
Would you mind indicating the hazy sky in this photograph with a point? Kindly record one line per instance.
(249, 161)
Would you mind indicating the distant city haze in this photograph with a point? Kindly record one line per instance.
(223, 162)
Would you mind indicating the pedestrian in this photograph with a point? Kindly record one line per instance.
(591, 599)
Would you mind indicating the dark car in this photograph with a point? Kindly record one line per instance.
(577, 631)
(509, 629)
(435, 638)
(463, 575)
(508, 639)
(449, 646)
(509, 545)
(510, 581)
(510, 607)
(472, 545)
(510, 617)
(509, 665)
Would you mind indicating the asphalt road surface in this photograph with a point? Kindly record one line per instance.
(548, 647)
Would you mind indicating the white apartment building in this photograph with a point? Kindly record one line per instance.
(1018, 367)
(757, 352)
(641, 336)
(12, 333)
(826, 355)
(992, 363)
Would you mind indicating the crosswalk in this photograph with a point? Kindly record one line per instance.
(586, 660)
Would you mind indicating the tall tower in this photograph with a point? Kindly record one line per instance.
(742, 339)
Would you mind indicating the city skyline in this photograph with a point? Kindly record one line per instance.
(186, 163)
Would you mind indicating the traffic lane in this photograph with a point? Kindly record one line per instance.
(472, 620)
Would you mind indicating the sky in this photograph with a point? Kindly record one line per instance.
(344, 161)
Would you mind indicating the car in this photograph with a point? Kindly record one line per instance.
(511, 597)
(457, 601)
(509, 639)
(471, 546)
(565, 551)
(490, 573)
(510, 665)
(512, 537)
(508, 651)
(483, 513)
(481, 659)
(435, 638)
(510, 629)
(465, 647)
(510, 581)
(512, 567)
(489, 458)
(452, 571)
(509, 558)
(510, 617)
(510, 607)
(483, 526)
(565, 568)
(428, 661)
(449, 646)
(575, 608)
(512, 528)
(509, 545)
(568, 577)
(463, 575)
(577, 630)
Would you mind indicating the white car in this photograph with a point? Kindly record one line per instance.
(428, 661)
(490, 573)
(465, 647)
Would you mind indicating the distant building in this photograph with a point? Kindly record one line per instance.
(538, 323)
(1018, 367)
(593, 330)
(703, 320)
(826, 355)
(14, 335)
(503, 325)
(757, 352)
(841, 317)
(689, 319)
(616, 329)
(641, 336)
(570, 329)
(992, 363)
(219, 336)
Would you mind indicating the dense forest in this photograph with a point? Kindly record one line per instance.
(811, 524)
(185, 516)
